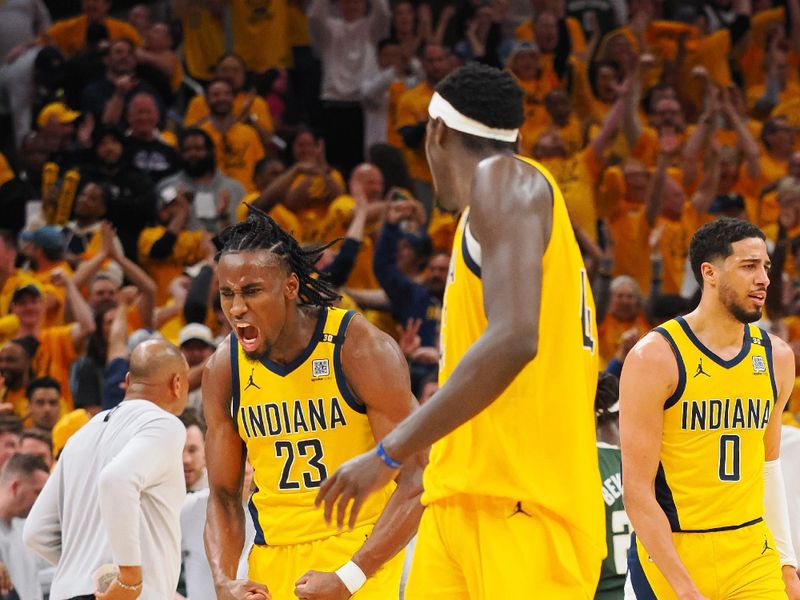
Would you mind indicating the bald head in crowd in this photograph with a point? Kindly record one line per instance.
(159, 373)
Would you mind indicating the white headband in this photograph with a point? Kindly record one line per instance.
(439, 108)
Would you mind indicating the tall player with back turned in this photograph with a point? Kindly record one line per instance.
(701, 399)
(512, 489)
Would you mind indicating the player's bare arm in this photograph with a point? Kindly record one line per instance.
(784, 373)
(224, 532)
(377, 373)
(511, 218)
(649, 377)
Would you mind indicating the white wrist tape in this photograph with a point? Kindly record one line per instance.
(352, 576)
(776, 512)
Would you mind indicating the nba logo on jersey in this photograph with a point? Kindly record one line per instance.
(320, 368)
(758, 365)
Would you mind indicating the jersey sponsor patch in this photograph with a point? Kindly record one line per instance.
(759, 366)
(320, 368)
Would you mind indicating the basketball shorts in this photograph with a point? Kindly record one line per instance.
(477, 548)
(279, 567)
(737, 564)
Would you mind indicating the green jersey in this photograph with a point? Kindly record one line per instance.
(618, 528)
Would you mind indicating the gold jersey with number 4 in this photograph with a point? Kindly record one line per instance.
(300, 422)
(536, 442)
(711, 471)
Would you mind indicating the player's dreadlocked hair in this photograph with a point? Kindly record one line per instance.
(605, 398)
(259, 232)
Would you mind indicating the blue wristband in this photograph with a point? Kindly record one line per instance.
(388, 460)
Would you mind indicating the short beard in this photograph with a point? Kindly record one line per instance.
(728, 299)
(258, 355)
(744, 316)
(201, 167)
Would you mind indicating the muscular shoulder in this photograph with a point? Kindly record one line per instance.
(505, 185)
(219, 363)
(372, 362)
(651, 366)
(782, 358)
(364, 341)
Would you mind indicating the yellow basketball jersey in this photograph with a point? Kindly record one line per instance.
(300, 422)
(536, 441)
(712, 447)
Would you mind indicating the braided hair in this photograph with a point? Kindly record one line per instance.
(605, 398)
(260, 232)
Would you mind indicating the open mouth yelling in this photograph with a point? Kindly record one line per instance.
(248, 337)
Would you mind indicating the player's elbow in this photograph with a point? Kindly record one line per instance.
(519, 346)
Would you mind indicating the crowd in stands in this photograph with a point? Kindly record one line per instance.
(129, 142)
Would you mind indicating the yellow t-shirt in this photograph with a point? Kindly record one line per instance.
(260, 33)
(198, 110)
(577, 177)
(411, 109)
(442, 229)
(54, 356)
(187, 251)
(610, 333)
(297, 26)
(396, 90)
(338, 218)
(69, 35)
(6, 173)
(203, 41)
(54, 316)
(285, 218)
(238, 151)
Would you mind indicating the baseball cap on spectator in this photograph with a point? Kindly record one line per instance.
(58, 111)
(66, 427)
(48, 238)
(25, 290)
(196, 331)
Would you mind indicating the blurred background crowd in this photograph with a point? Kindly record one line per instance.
(132, 134)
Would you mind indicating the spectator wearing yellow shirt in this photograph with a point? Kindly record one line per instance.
(157, 52)
(672, 221)
(11, 278)
(259, 29)
(555, 35)
(778, 138)
(15, 373)
(367, 180)
(249, 108)
(524, 64)
(777, 89)
(625, 316)
(238, 146)
(203, 35)
(58, 347)
(166, 249)
(307, 188)
(47, 254)
(578, 174)
(266, 171)
(412, 119)
(69, 35)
